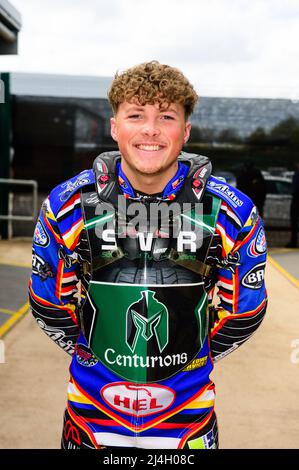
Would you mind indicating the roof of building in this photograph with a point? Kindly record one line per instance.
(76, 86)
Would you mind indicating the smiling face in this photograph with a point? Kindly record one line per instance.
(150, 139)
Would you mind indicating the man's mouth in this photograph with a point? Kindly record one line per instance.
(150, 147)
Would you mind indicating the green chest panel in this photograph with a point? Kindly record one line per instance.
(147, 333)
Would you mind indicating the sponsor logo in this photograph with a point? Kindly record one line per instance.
(140, 342)
(231, 262)
(84, 356)
(185, 239)
(196, 364)
(68, 259)
(229, 193)
(138, 400)
(203, 172)
(40, 267)
(56, 335)
(225, 353)
(204, 442)
(103, 180)
(40, 237)
(197, 188)
(197, 183)
(122, 182)
(254, 215)
(177, 182)
(70, 432)
(259, 245)
(93, 199)
(147, 318)
(144, 362)
(254, 278)
(46, 208)
(70, 186)
(158, 251)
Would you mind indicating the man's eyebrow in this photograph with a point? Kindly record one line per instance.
(169, 110)
(134, 108)
(139, 108)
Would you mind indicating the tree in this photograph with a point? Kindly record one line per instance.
(258, 137)
(284, 130)
(195, 134)
(228, 135)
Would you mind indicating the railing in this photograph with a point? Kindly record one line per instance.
(25, 218)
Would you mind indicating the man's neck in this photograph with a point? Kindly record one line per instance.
(149, 184)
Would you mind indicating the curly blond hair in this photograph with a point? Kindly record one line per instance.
(151, 83)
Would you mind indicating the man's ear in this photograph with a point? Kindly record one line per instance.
(187, 131)
(113, 128)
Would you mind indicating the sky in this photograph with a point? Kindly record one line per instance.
(237, 48)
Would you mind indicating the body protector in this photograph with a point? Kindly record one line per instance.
(145, 316)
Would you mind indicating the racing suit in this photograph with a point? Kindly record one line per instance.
(133, 304)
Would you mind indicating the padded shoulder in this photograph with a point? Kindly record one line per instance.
(60, 195)
(241, 204)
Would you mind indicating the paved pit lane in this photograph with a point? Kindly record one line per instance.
(286, 260)
(13, 294)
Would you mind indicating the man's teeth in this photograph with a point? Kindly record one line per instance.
(150, 148)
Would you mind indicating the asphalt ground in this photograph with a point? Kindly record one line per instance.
(15, 267)
(257, 386)
(13, 294)
(287, 261)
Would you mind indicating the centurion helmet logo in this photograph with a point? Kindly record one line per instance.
(147, 318)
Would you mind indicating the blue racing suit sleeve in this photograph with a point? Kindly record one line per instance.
(240, 283)
(53, 291)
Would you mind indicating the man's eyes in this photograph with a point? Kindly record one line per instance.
(134, 116)
(165, 117)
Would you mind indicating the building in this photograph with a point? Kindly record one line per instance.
(62, 122)
(10, 25)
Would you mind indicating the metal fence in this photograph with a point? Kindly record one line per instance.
(10, 217)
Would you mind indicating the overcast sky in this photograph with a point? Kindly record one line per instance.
(225, 47)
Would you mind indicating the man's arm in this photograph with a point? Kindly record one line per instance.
(53, 284)
(241, 289)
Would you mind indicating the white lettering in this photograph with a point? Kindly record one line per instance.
(295, 352)
(109, 237)
(144, 362)
(145, 241)
(106, 356)
(168, 360)
(186, 238)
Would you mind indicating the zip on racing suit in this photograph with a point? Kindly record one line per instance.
(140, 324)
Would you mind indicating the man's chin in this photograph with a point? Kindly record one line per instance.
(145, 170)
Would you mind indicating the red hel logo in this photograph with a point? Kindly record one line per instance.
(137, 400)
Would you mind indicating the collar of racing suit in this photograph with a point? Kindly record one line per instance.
(112, 182)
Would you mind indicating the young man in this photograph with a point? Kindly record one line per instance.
(143, 333)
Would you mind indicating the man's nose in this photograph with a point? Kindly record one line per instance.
(151, 128)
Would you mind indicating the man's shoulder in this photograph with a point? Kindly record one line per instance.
(237, 201)
(64, 192)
